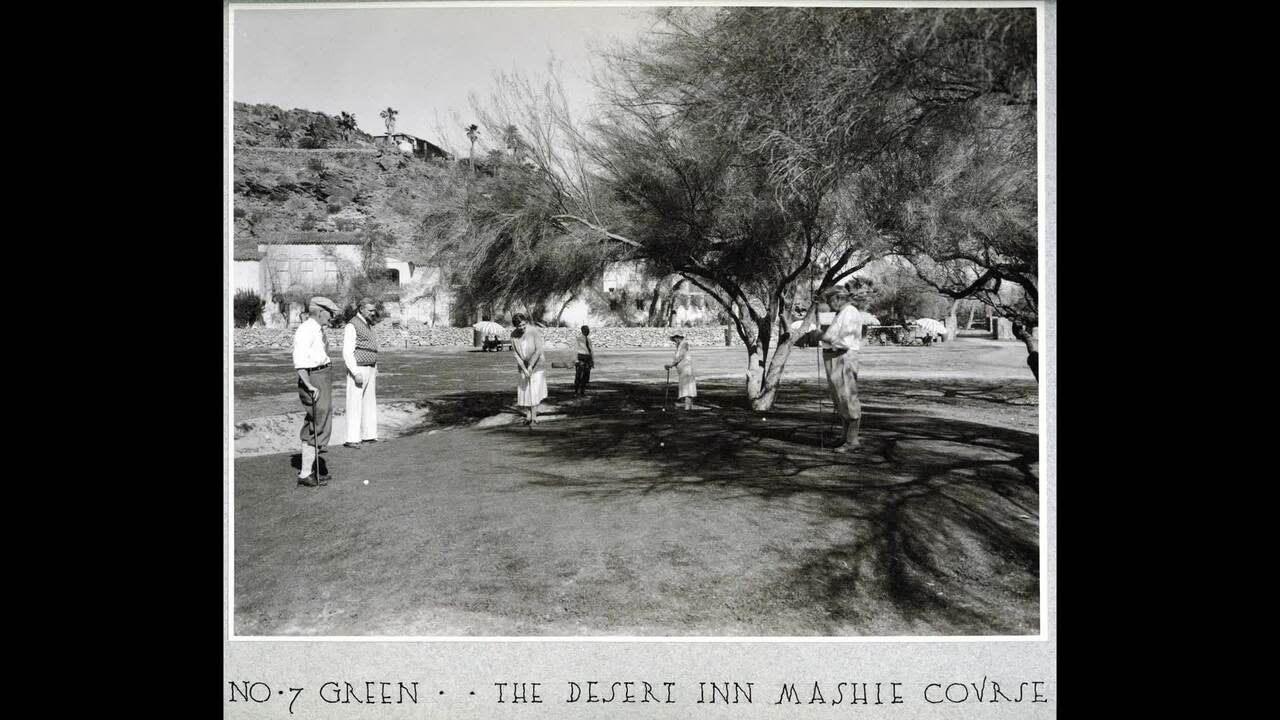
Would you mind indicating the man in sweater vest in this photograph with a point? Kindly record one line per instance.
(360, 353)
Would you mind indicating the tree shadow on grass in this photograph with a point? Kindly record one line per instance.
(937, 517)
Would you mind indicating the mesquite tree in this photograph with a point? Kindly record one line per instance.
(763, 154)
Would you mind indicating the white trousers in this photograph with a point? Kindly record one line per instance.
(362, 406)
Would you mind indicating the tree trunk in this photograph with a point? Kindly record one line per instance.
(972, 309)
(952, 325)
(764, 370)
(654, 301)
(670, 308)
(559, 315)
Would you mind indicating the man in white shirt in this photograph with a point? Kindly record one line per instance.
(840, 345)
(311, 360)
(360, 353)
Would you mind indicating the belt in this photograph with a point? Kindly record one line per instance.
(318, 367)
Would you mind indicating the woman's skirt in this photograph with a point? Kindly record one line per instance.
(842, 377)
(531, 390)
(688, 386)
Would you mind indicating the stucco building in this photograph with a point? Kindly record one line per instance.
(285, 268)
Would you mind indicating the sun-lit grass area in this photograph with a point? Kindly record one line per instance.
(614, 517)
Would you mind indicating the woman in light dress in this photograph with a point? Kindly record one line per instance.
(840, 345)
(526, 345)
(682, 361)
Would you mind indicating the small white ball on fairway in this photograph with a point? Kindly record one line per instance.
(366, 482)
(662, 444)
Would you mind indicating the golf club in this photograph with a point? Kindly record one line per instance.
(315, 438)
(665, 388)
(822, 420)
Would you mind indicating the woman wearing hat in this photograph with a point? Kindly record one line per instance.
(683, 362)
(840, 345)
(526, 345)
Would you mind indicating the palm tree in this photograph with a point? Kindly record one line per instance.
(389, 117)
(473, 132)
(348, 124)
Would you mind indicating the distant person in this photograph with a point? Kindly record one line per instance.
(360, 353)
(315, 390)
(682, 361)
(840, 345)
(1033, 348)
(586, 361)
(526, 345)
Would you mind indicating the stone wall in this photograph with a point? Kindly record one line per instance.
(260, 338)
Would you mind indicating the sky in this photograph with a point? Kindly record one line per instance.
(422, 61)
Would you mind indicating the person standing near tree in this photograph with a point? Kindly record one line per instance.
(682, 361)
(840, 345)
(1033, 347)
(315, 390)
(526, 345)
(360, 353)
(586, 361)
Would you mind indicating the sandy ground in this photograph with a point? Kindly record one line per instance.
(617, 518)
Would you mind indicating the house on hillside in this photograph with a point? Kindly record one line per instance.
(412, 144)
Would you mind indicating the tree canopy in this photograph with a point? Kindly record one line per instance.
(766, 154)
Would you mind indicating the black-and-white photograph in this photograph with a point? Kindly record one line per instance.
(636, 321)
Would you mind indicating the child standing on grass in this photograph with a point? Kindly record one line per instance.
(586, 361)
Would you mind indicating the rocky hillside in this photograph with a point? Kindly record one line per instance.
(349, 185)
(270, 126)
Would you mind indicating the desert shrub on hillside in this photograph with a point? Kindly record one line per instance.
(316, 164)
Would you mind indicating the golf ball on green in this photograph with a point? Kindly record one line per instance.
(366, 482)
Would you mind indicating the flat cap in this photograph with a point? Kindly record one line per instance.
(324, 302)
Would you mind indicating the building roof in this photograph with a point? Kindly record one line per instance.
(246, 248)
(434, 147)
(311, 237)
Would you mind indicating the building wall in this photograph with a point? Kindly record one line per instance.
(424, 296)
(247, 275)
(317, 269)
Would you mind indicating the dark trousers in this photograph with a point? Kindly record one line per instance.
(582, 373)
(319, 411)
